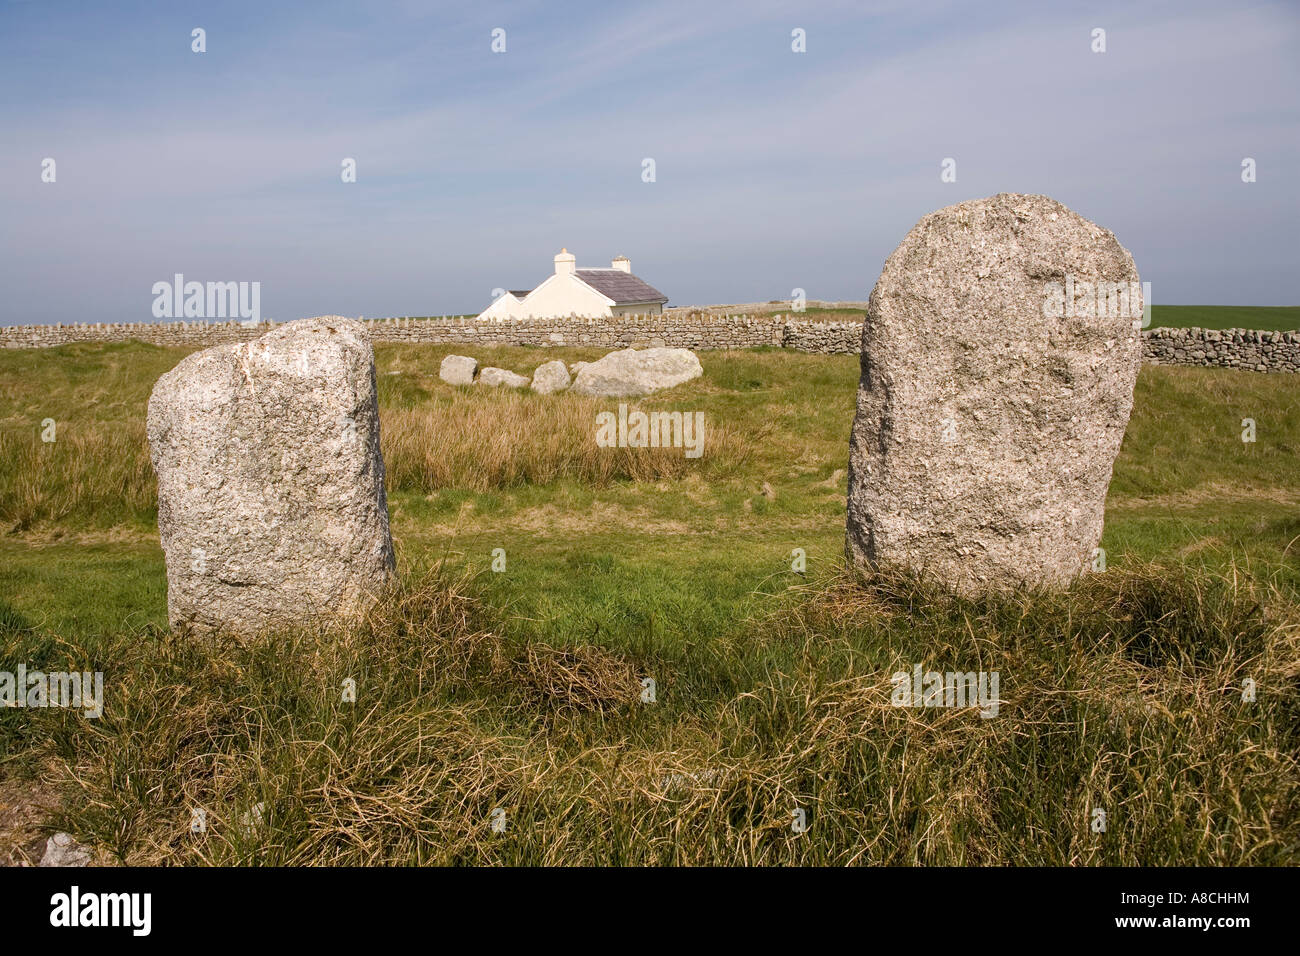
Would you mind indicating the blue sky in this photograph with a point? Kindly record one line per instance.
(774, 169)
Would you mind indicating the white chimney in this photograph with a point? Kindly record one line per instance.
(566, 264)
(622, 264)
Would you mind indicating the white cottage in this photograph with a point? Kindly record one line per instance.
(587, 293)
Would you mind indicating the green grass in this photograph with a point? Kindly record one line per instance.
(519, 689)
(1279, 318)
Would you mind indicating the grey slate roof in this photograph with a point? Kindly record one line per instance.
(620, 286)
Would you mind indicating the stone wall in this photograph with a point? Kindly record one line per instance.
(762, 308)
(181, 334)
(1229, 348)
(1226, 348)
(694, 331)
(826, 337)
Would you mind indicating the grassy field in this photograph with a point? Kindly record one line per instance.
(520, 690)
(1281, 318)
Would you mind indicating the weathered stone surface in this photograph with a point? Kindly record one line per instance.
(498, 377)
(632, 372)
(271, 504)
(551, 377)
(987, 426)
(458, 370)
(62, 850)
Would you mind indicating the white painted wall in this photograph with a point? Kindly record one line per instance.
(506, 306)
(565, 295)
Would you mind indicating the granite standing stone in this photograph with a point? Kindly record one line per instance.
(993, 396)
(271, 505)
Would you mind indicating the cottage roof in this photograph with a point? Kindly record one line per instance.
(622, 287)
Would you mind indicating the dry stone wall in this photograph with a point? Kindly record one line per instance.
(1227, 348)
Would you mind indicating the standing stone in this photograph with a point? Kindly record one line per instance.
(551, 377)
(271, 504)
(458, 370)
(993, 397)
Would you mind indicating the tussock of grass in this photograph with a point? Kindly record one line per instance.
(99, 473)
(225, 724)
(99, 476)
(480, 440)
(1122, 694)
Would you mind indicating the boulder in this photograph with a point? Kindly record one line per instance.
(993, 396)
(631, 372)
(551, 377)
(497, 377)
(458, 370)
(271, 505)
(62, 850)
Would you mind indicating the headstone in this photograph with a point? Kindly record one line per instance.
(271, 504)
(994, 395)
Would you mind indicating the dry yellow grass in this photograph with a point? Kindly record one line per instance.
(94, 470)
(480, 440)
